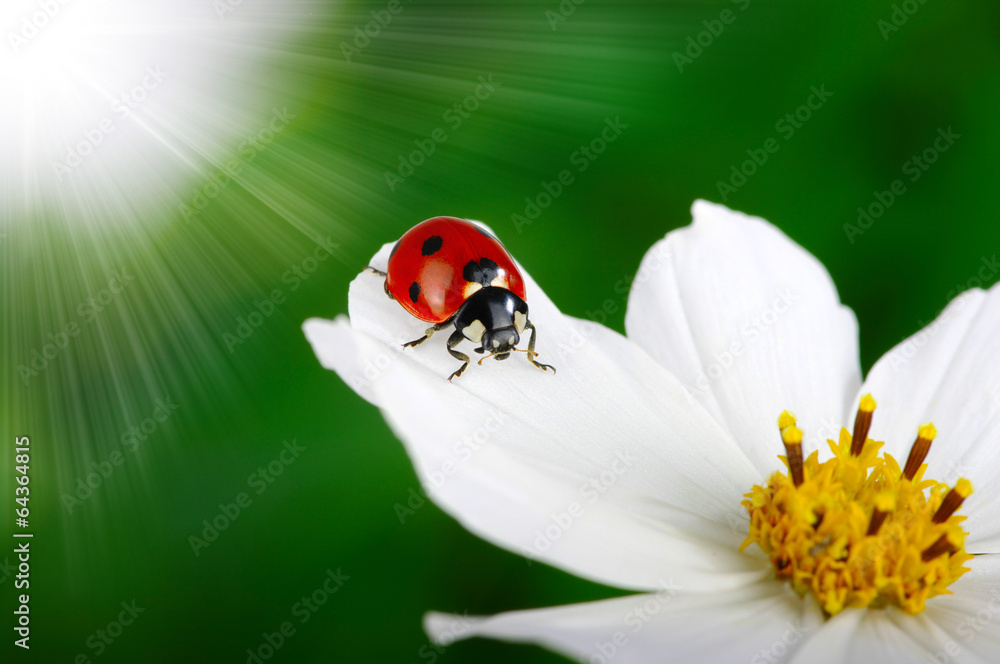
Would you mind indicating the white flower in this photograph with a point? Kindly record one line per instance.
(629, 466)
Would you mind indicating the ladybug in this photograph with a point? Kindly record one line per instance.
(448, 271)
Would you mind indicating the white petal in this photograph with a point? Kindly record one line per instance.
(761, 623)
(962, 628)
(949, 374)
(604, 469)
(970, 617)
(764, 622)
(333, 342)
(752, 324)
(861, 636)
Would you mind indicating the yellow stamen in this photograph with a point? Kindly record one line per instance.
(940, 547)
(954, 500)
(885, 503)
(862, 424)
(791, 436)
(854, 531)
(921, 446)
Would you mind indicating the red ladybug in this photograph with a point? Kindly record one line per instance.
(448, 271)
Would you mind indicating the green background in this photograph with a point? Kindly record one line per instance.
(334, 507)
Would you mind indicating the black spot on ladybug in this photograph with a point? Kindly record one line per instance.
(482, 272)
(487, 234)
(431, 245)
(414, 292)
(490, 269)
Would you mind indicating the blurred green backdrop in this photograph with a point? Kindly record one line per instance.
(548, 76)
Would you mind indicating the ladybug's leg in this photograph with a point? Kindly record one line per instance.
(385, 284)
(531, 349)
(428, 334)
(455, 339)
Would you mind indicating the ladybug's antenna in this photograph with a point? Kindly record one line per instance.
(376, 271)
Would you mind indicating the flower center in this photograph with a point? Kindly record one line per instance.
(857, 531)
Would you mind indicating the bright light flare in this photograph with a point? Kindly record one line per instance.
(106, 94)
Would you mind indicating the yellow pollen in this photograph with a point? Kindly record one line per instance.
(785, 420)
(855, 531)
(885, 501)
(927, 432)
(791, 435)
(867, 404)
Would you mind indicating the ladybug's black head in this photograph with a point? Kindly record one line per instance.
(494, 318)
(499, 342)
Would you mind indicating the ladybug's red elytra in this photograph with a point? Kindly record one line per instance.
(449, 271)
